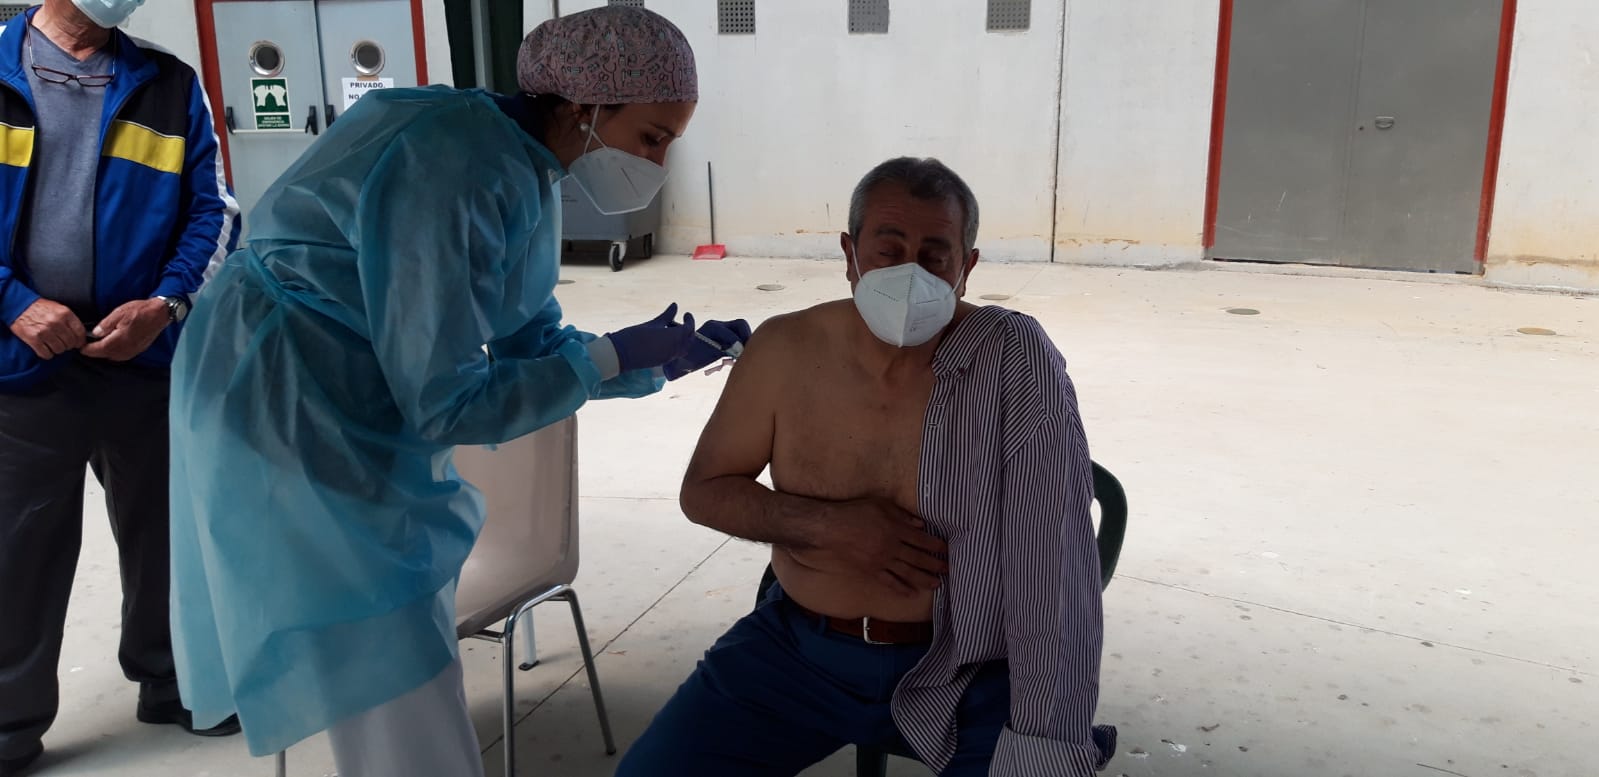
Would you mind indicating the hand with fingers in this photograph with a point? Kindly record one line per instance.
(653, 343)
(129, 330)
(875, 538)
(50, 329)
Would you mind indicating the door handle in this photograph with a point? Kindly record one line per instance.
(327, 114)
(227, 119)
(1385, 122)
(310, 121)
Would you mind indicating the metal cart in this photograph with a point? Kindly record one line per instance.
(629, 234)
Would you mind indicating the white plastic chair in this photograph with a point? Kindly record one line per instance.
(527, 553)
(525, 556)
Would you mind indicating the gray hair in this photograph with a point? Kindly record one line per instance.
(925, 179)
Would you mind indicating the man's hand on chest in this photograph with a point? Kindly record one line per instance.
(877, 539)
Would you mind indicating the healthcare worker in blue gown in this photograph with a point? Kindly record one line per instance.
(327, 371)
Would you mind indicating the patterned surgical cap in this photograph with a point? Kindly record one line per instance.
(608, 56)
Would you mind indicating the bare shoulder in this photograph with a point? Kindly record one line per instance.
(799, 332)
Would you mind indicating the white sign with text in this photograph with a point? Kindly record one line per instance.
(355, 87)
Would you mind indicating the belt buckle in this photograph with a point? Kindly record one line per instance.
(866, 632)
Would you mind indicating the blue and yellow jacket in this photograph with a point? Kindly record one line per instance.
(162, 215)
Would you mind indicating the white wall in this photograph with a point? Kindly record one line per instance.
(1546, 206)
(793, 116)
(536, 11)
(1135, 138)
(437, 39)
(169, 24)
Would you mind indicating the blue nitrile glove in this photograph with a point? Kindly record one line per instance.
(653, 343)
(724, 335)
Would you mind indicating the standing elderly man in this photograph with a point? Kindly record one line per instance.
(938, 581)
(113, 207)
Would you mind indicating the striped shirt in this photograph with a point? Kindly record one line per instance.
(1006, 481)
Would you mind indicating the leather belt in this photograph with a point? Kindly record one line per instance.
(873, 631)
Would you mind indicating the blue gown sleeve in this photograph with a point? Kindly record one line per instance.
(435, 219)
(544, 334)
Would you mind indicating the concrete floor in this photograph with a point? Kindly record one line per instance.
(1361, 538)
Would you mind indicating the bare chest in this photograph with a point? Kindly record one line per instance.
(840, 437)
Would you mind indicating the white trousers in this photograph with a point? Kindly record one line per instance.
(425, 733)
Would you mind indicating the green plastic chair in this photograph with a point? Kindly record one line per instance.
(1112, 499)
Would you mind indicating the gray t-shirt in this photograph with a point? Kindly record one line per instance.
(57, 236)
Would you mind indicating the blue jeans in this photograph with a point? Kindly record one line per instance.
(780, 692)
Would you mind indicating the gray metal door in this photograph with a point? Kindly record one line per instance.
(271, 71)
(1421, 133)
(1356, 132)
(366, 45)
(1285, 146)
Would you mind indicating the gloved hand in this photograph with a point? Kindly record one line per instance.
(653, 343)
(701, 354)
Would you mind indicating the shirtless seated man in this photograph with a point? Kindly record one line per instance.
(902, 428)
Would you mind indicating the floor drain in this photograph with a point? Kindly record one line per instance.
(1243, 311)
(996, 297)
(770, 287)
(1536, 330)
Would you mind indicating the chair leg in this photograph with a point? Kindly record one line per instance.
(530, 645)
(508, 707)
(594, 676)
(870, 763)
(283, 763)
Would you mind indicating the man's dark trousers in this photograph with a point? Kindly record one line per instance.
(112, 418)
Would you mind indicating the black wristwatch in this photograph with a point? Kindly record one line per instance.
(177, 308)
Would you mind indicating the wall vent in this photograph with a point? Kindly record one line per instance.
(868, 17)
(1009, 15)
(735, 17)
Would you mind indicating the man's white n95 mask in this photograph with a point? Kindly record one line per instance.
(904, 305)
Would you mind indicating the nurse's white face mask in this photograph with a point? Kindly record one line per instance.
(904, 305)
(615, 181)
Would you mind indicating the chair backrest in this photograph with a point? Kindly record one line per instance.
(529, 539)
(1112, 501)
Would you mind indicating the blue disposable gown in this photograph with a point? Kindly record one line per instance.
(327, 371)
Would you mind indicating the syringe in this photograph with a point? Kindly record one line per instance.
(732, 352)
